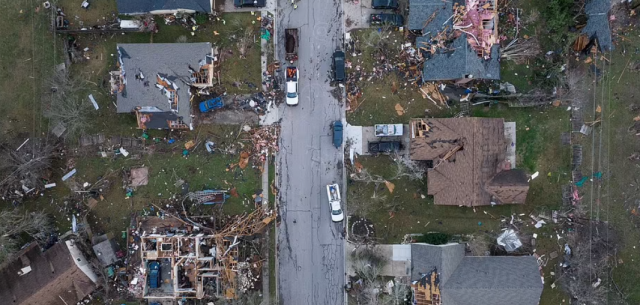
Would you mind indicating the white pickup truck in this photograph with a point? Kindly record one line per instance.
(388, 130)
(333, 193)
(291, 78)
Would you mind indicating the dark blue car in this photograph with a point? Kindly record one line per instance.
(337, 134)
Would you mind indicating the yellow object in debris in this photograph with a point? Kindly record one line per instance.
(216, 33)
(189, 144)
(599, 109)
(399, 109)
(390, 186)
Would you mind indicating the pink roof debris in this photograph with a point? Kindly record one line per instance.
(479, 20)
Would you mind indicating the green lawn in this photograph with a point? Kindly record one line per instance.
(377, 104)
(29, 52)
(617, 197)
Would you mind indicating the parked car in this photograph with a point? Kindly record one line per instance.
(250, 3)
(388, 130)
(337, 134)
(392, 19)
(338, 66)
(211, 105)
(385, 4)
(384, 147)
(291, 78)
(333, 192)
(154, 274)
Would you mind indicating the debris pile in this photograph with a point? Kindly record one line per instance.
(265, 140)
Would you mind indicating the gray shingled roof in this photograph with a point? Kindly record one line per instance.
(421, 10)
(105, 251)
(494, 280)
(171, 60)
(461, 62)
(444, 258)
(597, 12)
(472, 280)
(136, 7)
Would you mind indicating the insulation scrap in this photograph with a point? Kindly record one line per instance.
(399, 109)
(390, 186)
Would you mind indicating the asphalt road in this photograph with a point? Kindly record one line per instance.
(311, 246)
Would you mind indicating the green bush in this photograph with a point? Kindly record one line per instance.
(433, 238)
(558, 16)
(201, 19)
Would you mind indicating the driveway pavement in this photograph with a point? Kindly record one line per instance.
(356, 15)
(311, 246)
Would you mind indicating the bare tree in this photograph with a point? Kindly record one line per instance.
(405, 167)
(15, 222)
(22, 170)
(574, 87)
(519, 50)
(589, 263)
(63, 104)
(368, 264)
(398, 295)
(244, 42)
(182, 39)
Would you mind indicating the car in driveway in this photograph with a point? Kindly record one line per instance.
(333, 193)
(384, 4)
(385, 147)
(392, 19)
(249, 3)
(338, 66)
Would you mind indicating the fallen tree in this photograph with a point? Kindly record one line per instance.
(22, 170)
(13, 223)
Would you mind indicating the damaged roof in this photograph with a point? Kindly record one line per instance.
(473, 149)
(477, 280)
(509, 186)
(137, 7)
(168, 60)
(461, 61)
(444, 258)
(494, 280)
(420, 11)
(54, 277)
(597, 27)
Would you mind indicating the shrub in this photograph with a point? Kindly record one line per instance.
(434, 238)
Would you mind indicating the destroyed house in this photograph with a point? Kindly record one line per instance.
(57, 276)
(154, 80)
(160, 7)
(187, 258)
(469, 166)
(458, 39)
(444, 275)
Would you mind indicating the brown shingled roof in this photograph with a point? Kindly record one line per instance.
(461, 179)
(54, 277)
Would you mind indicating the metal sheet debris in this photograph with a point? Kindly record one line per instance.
(68, 175)
(509, 240)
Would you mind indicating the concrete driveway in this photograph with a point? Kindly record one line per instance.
(311, 246)
(356, 15)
